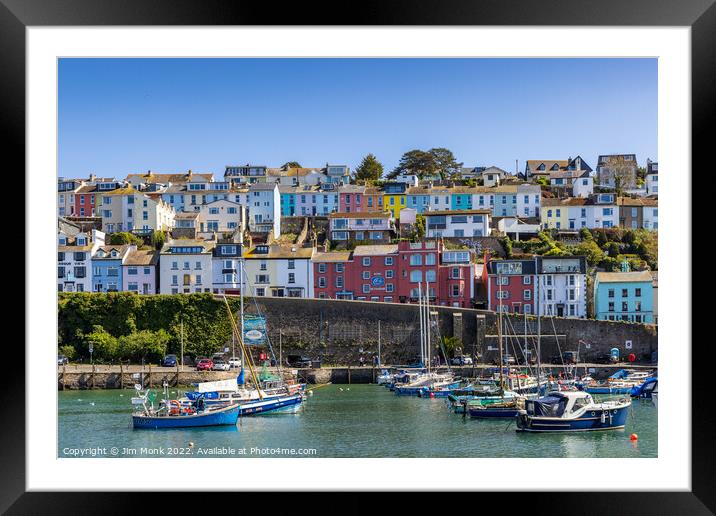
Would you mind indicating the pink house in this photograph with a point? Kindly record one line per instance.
(140, 272)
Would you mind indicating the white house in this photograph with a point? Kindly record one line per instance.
(492, 176)
(562, 286)
(652, 177)
(650, 216)
(463, 223)
(74, 259)
(226, 270)
(185, 266)
(221, 216)
(576, 182)
(279, 271)
(264, 206)
(574, 213)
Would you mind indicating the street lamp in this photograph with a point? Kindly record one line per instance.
(91, 350)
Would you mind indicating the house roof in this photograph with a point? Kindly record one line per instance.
(280, 252)
(182, 177)
(187, 215)
(624, 277)
(332, 256)
(533, 164)
(565, 174)
(206, 245)
(352, 189)
(640, 201)
(262, 186)
(142, 257)
(127, 190)
(375, 250)
(122, 249)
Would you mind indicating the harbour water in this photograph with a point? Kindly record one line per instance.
(339, 421)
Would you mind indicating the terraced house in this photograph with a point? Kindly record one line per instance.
(128, 209)
(139, 270)
(107, 267)
(74, 258)
(185, 266)
(376, 227)
(624, 296)
(638, 213)
(574, 213)
(279, 271)
(464, 223)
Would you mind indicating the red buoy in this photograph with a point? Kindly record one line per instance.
(634, 437)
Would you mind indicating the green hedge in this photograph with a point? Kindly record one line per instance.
(154, 320)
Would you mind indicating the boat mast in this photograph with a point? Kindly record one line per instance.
(379, 362)
(427, 318)
(243, 348)
(499, 333)
(538, 294)
(420, 316)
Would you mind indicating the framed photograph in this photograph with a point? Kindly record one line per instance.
(384, 252)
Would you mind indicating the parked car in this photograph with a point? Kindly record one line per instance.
(205, 364)
(234, 363)
(506, 360)
(169, 361)
(220, 365)
(62, 360)
(298, 361)
(567, 357)
(461, 360)
(602, 358)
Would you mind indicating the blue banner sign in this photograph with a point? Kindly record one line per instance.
(254, 330)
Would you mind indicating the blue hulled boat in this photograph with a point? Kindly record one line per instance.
(572, 412)
(173, 414)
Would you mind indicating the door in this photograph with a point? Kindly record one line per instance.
(560, 311)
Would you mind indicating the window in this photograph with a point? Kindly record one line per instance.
(416, 259)
(322, 282)
(389, 274)
(611, 306)
(430, 276)
(388, 260)
(416, 276)
(291, 277)
(637, 306)
(527, 295)
(339, 267)
(611, 292)
(637, 292)
(339, 281)
(322, 268)
(60, 257)
(292, 264)
(366, 288)
(503, 294)
(526, 280)
(625, 292)
(455, 273)
(503, 280)
(366, 275)
(132, 271)
(455, 291)
(625, 306)
(60, 272)
(389, 287)
(366, 261)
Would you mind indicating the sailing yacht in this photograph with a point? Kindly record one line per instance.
(429, 379)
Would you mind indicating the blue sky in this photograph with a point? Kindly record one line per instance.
(120, 116)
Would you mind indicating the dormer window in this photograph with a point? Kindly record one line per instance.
(114, 253)
(541, 167)
(63, 241)
(100, 253)
(81, 241)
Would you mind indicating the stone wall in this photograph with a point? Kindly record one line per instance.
(339, 332)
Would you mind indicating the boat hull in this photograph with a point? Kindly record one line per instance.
(615, 418)
(221, 417)
(488, 412)
(270, 405)
(607, 390)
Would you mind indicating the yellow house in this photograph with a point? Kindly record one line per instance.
(394, 202)
(554, 214)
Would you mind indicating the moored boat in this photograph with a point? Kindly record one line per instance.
(572, 412)
(175, 414)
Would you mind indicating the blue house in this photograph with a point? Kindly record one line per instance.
(288, 201)
(107, 267)
(624, 296)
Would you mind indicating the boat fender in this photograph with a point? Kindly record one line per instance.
(604, 417)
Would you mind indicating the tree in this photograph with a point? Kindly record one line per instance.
(158, 239)
(416, 161)
(447, 165)
(124, 238)
(291, 164)
(623, 172)
(370, 169)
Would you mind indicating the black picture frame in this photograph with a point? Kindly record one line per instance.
(700, 15)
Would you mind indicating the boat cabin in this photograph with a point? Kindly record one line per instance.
(558, 404)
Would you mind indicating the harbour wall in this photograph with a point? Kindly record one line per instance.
(339, 332)
(111, 377)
